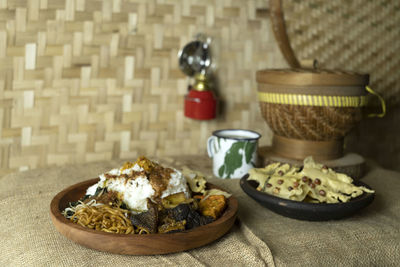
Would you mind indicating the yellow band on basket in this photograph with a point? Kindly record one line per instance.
(312, 100)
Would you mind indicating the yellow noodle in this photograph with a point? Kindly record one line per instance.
(102, 217)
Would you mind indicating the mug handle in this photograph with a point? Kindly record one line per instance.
(210, 146)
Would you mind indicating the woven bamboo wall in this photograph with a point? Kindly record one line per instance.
(83, 81)
(356, 35)
(362, 36)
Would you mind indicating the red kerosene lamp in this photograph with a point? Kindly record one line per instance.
(194, 61)
(200, 102)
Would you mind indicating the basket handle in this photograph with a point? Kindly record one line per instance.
(383, 104)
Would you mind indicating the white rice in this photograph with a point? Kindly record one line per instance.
(176, 184)
(136, 191)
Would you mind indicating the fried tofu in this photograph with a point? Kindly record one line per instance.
(212, 206)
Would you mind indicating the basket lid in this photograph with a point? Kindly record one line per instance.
(312, 77)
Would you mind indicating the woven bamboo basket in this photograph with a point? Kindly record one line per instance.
(309, 110)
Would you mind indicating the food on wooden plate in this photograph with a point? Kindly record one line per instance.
(313, 182)
(144, 198)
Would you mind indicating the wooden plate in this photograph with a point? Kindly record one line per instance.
(149, 244)
(307, 211)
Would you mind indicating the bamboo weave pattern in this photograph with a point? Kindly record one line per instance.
(83, 81)
(357, 35)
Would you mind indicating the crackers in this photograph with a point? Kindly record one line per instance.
(314, 182)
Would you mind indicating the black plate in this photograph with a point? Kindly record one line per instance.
(307, 211)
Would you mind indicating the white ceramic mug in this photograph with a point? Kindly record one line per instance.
(234, 152)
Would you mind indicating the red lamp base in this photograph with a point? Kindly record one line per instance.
(200, 105)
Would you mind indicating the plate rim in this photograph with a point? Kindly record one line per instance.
(228, 217)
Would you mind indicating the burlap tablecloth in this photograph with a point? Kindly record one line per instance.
(370, 237)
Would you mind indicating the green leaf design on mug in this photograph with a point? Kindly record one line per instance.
(232, 160)
(249, 150)
(221, 170)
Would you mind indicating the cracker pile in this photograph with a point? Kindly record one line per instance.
(313, 182)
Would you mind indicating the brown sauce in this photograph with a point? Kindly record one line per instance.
(159, 179)
(131, 176)
(158, 176)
